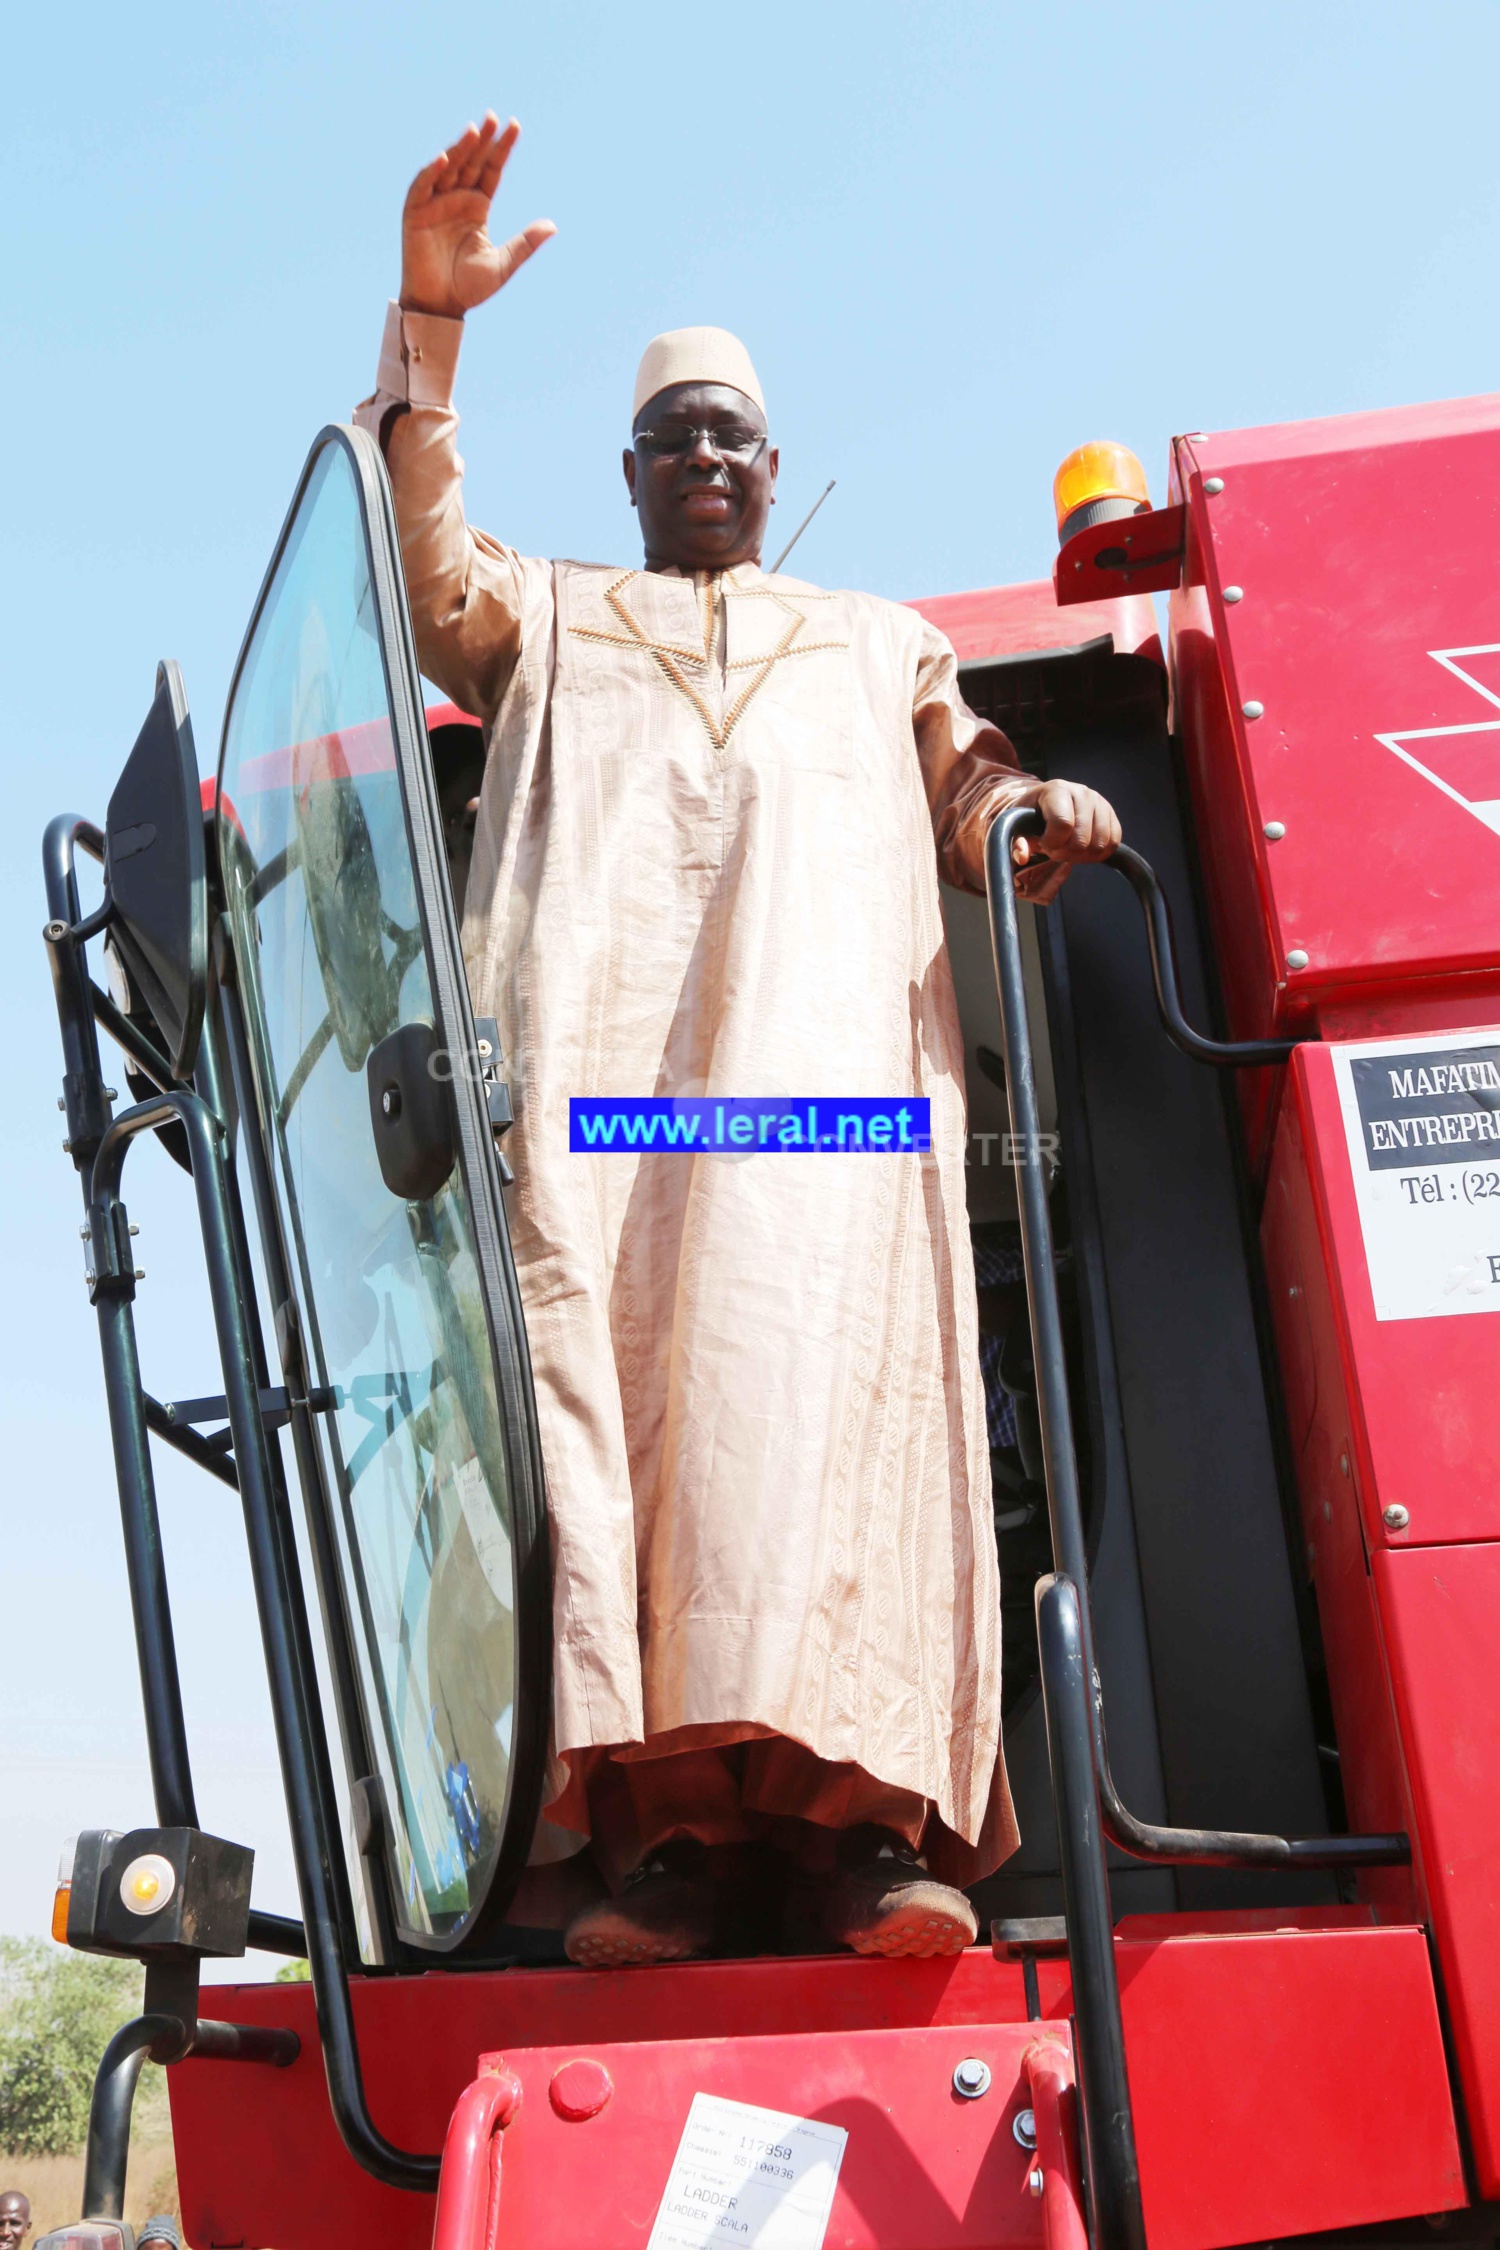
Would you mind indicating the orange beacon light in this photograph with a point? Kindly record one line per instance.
(1095, 483)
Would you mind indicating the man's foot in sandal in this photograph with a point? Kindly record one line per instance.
(882, 1900)
(665, 1912)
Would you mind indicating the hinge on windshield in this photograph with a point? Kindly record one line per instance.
(496, 1088)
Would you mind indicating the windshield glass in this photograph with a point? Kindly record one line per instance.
(327, 933)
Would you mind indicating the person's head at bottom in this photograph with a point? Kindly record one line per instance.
(161, 2230)
(15, 2219)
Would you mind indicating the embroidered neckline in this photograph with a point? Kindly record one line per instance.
(670, 657)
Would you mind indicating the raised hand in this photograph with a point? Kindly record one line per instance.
(448, 262)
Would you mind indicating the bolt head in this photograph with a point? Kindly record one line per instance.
(1395, 1517)
(1274, 831)
(1034, 2180)
(1023, 2126)
(1213, 486)
(1253, 710)
(1234, 593)
(1343, 1464)
(971, 2078)
(1296, 959)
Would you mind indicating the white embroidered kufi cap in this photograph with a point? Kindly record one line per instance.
(695, 355)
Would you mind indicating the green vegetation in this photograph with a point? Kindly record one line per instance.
(57, 2013)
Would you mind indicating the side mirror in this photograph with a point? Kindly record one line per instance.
(155, 872)
(411, 1113)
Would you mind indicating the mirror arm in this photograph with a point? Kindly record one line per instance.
(92, 924)
(147, 1057)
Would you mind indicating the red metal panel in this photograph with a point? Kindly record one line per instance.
(1441, 1613)
(924, 2169)
(1419, 1394)
(1315, 1377)
(1360, 556)
(1015, 620)
(1232, 853)
(1283, 2082)
(419, 2040)
(1286, 2083)
(1399, 1412)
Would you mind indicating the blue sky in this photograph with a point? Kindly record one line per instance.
(958, 240)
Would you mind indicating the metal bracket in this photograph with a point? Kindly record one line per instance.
(276, 1407)
(114, 1272)
(496, 1089)
(491, 1063)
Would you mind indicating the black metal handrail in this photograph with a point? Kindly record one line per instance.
(1183, 1847)
(1113, 2171)
(88, 1109)
(315, 1849)
(1231, 1054)
(164, 2038)
(98, 1144)
(1104, 2087)
(1088, 1806)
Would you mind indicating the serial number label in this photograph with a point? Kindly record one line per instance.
(1423, 1124)
(743, 2175)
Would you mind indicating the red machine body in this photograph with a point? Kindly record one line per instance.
(1285, 2080)
(1338, 680)
(1338, 684)
(1335, 674)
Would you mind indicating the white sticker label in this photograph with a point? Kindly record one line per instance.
(1423, 1123)
(751, 2177)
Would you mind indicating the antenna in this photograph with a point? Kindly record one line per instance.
(802, 526)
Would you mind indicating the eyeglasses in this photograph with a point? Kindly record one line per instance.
(731, 441)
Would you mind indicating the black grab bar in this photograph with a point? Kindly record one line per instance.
(1181, 1847)
(1087, 1804)
(1067, 1671)
(1232, 1054)
(1186, 1847)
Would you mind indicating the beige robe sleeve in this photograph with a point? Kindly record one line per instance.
(465, 588)
(969, 768)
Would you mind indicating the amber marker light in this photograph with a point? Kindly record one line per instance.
(1095, 484)
(147, 1884)
(64, 1892)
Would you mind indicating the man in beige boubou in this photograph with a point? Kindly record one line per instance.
(704, 863)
